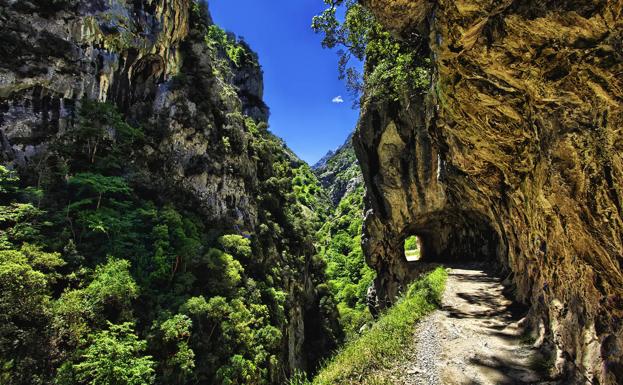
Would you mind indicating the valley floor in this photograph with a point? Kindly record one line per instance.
(473, 339)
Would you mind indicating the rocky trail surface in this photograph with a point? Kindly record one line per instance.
(475, 338)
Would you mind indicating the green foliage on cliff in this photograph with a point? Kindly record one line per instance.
(349, 275)
(113, 357)
(218, 39)
(392, 68)
(106, 283)
(339, 171)
(340, 239)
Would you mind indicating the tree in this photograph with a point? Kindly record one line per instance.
(236, 245)
(101, 139)
(392, 67)
(180, 358)
(113, 357)
(177, 242)
(8, 182)
(351, 37)
(90, 183)
(24, 314)
(104, 211)
(110, 293)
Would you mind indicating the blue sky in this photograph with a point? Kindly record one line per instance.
(300, 77)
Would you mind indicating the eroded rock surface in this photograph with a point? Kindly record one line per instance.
(513, 156)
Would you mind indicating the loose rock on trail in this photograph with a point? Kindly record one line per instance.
(475, 338)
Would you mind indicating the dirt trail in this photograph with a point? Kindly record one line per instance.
(473, 339)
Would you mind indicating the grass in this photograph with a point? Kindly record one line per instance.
(374, 350)
(412, 255)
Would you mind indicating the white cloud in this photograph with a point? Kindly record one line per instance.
(338, 99)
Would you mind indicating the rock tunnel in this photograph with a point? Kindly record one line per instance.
(511, 157)
(456, 237)
(412, 191)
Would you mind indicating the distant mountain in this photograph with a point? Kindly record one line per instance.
(339, 171)
(323, 161)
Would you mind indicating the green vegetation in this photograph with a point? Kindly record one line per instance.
(309, 191)
(359, 361)
(235, 50)
(411, 243)
(340, 172)
(392, 68)
(340, 239)
(412, 247)
(104, 284)
(349, 276)
(113, 357)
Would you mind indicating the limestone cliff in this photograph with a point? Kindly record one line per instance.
(150, 58)
(514, 156)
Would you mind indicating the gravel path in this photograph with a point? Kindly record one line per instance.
(474, 339)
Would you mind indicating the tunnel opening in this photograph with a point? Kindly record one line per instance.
(412, 248)
(450, 237)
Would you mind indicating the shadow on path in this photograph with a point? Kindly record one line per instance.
(474, 339)
(482, 341)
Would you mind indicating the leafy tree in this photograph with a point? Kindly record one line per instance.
(24, 314)
(104, 213)
(179, 361)
(351, 36)
(8, 182)
(113, 357)
(109, 296)
(176, 241)
(100, 139)
(392, 68)
(100, 185)
(236, 245)
(19, 221)
(227, 270)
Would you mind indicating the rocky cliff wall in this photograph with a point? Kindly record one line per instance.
(513, 155)
(129, 54)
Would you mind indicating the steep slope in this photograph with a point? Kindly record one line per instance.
(513, 155)
(149, 194)
(339, 239)
(339, 171)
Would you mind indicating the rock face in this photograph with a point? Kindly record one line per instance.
(514, 155)
(128, 55)
(150, 59)
(339, 171)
